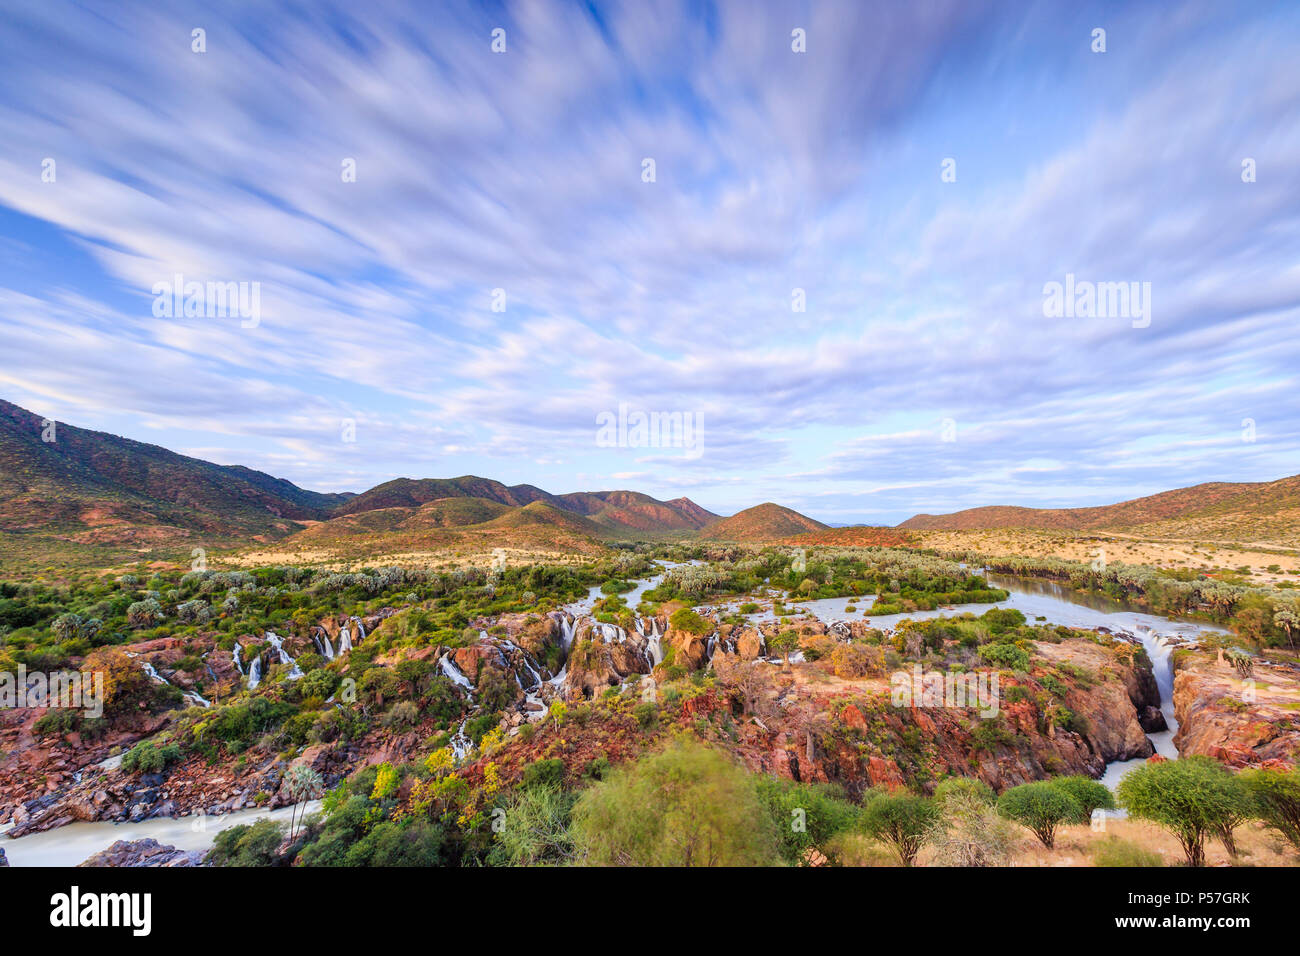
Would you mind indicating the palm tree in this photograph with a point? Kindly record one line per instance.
(304, 784)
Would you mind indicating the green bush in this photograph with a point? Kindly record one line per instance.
(148, 757)
(248, 844)
(688, 805)
(543, 773)
(1193, 798)
(1090, 794)
(1041, 807)
(1276, 797)
(903, 821)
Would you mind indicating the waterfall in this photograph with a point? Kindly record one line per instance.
(568, 627)
(654, 647)
(194, 698)
(460, 743)
(255, 673)
(323, 643)
(361, 630)
(239, 664)
(454, 673)
(345, 640)
(294, 672)
(153, 674)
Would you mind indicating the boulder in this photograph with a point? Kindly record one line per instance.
(147, 852)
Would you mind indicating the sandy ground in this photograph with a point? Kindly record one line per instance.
(1076, 846)
(1122, 548)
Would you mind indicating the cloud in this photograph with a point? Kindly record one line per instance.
(775, 171)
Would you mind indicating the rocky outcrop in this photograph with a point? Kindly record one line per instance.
(147, 852)
(1241, 723)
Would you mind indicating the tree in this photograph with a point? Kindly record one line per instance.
(1041, 807)
(1287, 617)
(1192, 797)
(1091, 794)
(783, 642)
(806, 817)
(304, 784)
(688, 805)
(902, 820)
(1276, 798)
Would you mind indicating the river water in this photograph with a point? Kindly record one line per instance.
(71, 844)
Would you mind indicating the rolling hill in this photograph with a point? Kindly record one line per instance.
(1216, 510)
(765, 522)
(89, 486)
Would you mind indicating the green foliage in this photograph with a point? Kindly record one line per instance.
(1193, 798)
(543, 773)
(1276, 796)
(247, 844)
(534, 828)
(1041, 807)
(684, 619)
(903, 821)
(1007, 656)
(1088, 793)
(149, 757)
(688, 805)
(806, 817)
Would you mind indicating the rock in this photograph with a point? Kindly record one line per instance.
(3, 861)
(1152, 719)
(147, 852)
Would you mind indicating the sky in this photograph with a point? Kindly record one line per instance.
(822, 233)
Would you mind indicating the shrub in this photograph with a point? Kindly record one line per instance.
(1041, 807)
(1006, 656)
(970, 832)
(806, 817)
(148, 757)
(903, 821)
(248, 844)
(1090, 794)
(1114, 851)
(971, 787)
(1192, 798)
(1276, 796)
(534, 829)
(688, 805)
(543, 773)
(684, 619)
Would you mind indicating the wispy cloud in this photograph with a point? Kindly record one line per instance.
(775, 171)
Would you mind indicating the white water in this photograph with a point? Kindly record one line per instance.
(71, 844)
(294, 672)
(345, 640)
(454, 673)
(190, 695)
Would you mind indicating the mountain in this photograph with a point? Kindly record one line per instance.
(90, 486)
(608, 509)
(1255, 510)
(631, 509)
(90, 489)
(413, 492)
(765, 522)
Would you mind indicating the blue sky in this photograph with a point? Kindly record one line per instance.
(775, 170)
